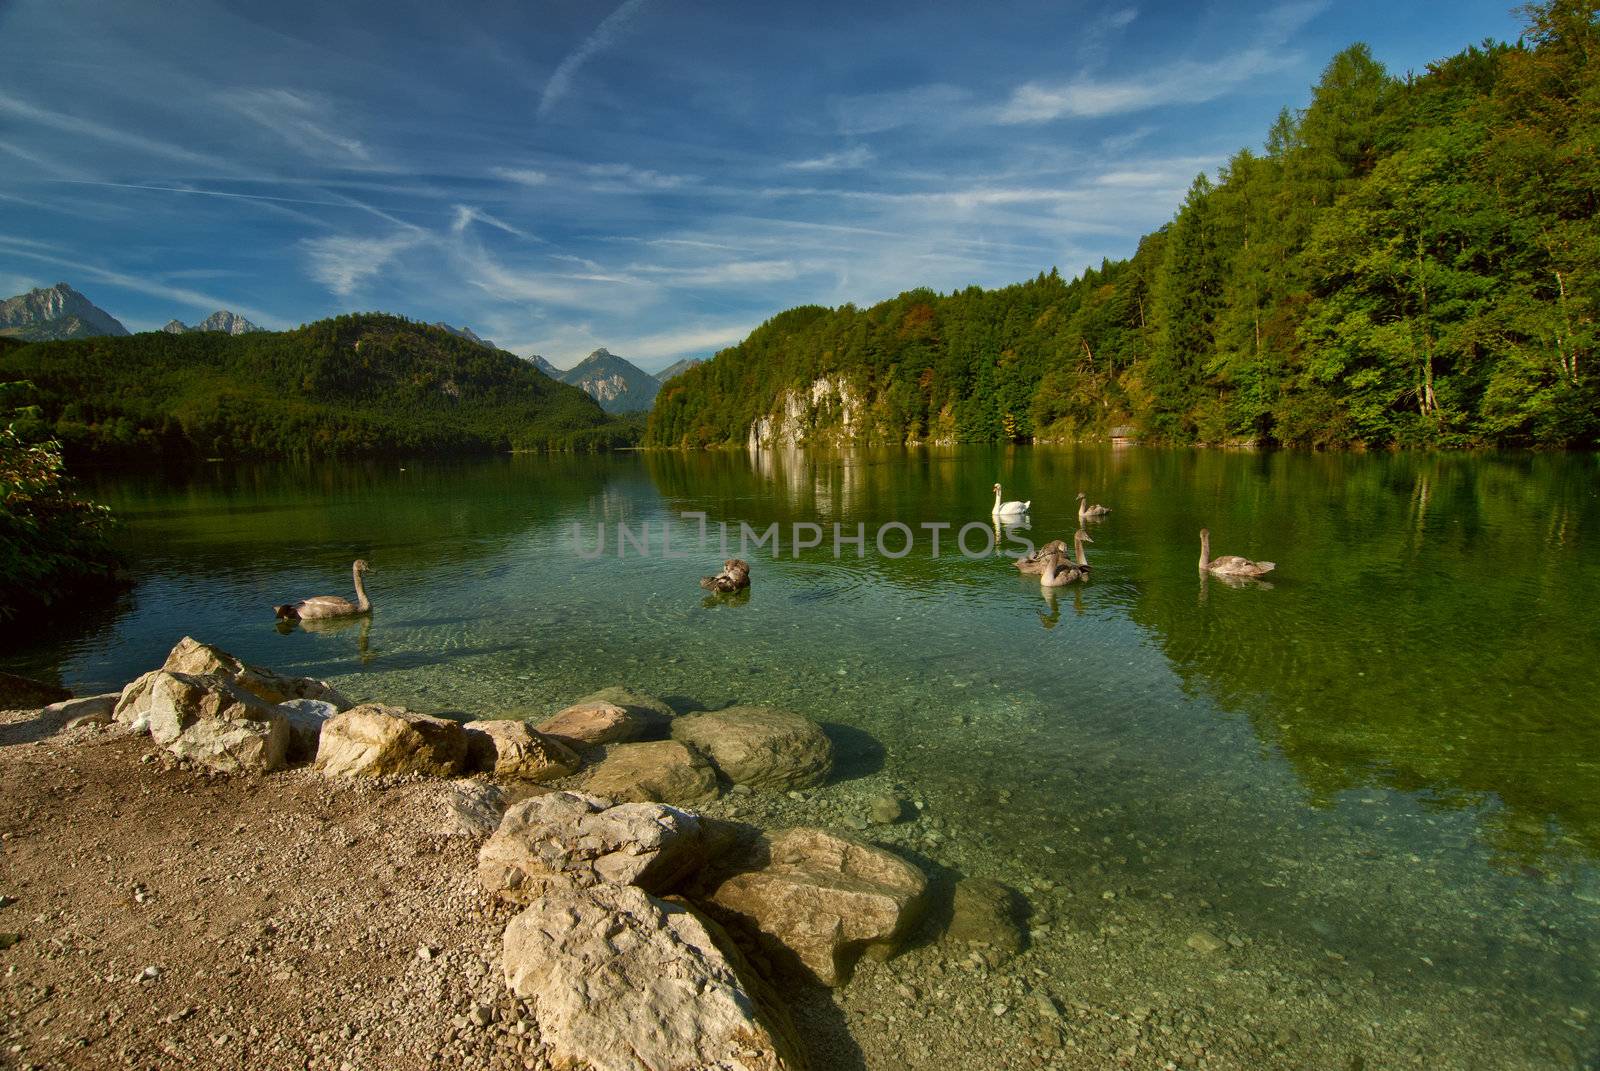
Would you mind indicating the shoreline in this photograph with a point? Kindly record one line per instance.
(298, 907)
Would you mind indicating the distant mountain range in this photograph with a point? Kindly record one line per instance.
(60, 312)
(230, 323)
(55, 312)
(617, 384)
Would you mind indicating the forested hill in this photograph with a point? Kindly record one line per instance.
(1410, 261)
(350, 386)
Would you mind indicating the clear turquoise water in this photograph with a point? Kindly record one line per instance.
(1392, 752)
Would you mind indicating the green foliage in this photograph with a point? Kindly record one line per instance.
(1410, 263)
(353, 386)
(52, 544)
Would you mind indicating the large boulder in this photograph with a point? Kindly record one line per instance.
(589, 724)
(663, 771)
(572, 838)
(620, 981)
(374, 740)
(654, 713)
(207, 719)
(192, 657)
(90, 710)
(515, 750)
(762, 747)
(475, 808)
(820, 900)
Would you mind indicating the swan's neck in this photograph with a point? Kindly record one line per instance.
(1205, 551)
(1077, 542)
(997, 500)
(362, 602)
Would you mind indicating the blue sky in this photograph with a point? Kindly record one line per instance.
(657, 177)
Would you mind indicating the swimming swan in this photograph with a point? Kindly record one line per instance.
(1058, 572)
(1034, 563)
(1085, 510)
(735, 576)
(1229, 564)
(329, 605)
(1008, 509)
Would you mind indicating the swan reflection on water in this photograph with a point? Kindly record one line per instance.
(1053, 618)
(330, 626)
(720, 599)
(1232, 581)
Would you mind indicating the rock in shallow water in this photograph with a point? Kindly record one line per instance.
(663, 771)
(987, 913)
(822, 899)
(592, 723)
(621, 980)
(763, 747)
(514, 749)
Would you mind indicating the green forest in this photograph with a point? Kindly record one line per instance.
(352, 386)
(1407, 262)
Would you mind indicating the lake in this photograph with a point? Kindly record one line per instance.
(1378, 775)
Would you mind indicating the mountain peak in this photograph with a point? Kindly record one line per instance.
(229, 323)
(616, 383)
(465, 332)
(55, 312)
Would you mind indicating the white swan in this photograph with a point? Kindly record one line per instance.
(1009, 509)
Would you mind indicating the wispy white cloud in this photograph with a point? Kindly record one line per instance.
(847, 160)
(53, 168)
(466, 215)
(88, 128)
(730, 273)
(651, 350)
(342, 263)
(524, 176)
(605, 35)
(1184, 82)
(300, 120)
(873, 113)
(638, 177)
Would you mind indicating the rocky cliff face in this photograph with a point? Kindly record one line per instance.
(545, 366)
(828, 413)
(618, 385)
(229, 323)
(53, 313)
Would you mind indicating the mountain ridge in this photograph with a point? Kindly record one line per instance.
(364, 385)
(229, 323)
